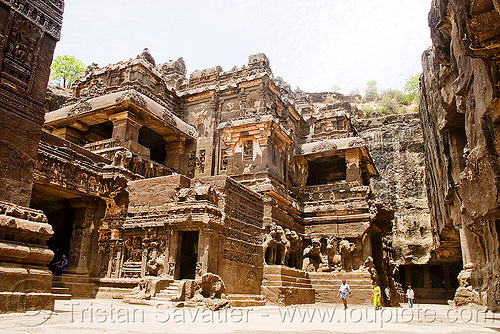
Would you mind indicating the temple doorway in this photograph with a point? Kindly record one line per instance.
(189, 254)
(60, 216)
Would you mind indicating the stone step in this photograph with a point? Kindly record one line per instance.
(247, 303)
(112, 293)
(63, 296)
(287, 284)
(60, 290)
(73, 278)
(274, 277)
(236, 296)
(241, 300)
(58, 284)
(170, 291)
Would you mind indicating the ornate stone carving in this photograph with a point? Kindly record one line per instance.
(168, 117)
(80, 108)
(347, 252)
(96, 88)
(49, 18)
(313, 259)
(132, 96)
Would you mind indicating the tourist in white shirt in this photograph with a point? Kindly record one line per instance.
(410, 294)
(344, 291)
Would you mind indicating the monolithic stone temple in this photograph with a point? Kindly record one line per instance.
(230, 173)
(155, 183)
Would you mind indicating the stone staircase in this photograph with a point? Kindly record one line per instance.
(79, 286)
(170, 291)
(132, 269)
(287, 286)
(326, 286)
(60, 291)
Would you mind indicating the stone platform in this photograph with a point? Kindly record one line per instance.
(286, 286)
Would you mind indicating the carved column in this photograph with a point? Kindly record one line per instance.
(83, 228)
(172, 248)
(353, 161)
(175, 148)
(204, 242)
(126, 126)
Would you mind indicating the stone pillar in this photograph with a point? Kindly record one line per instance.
(172, 249)
(126, 126)
(83, 227)
(175, 148)
(353, 161)
(69, 134)
(204, 241)
(466, 258)
(427, 277)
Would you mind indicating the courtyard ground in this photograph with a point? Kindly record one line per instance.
(115, 316)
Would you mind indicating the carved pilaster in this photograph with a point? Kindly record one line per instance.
(126, 126)
(83, 228)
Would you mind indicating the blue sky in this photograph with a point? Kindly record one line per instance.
(314, 44)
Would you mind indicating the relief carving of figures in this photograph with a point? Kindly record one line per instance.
(293, 248)
(155, 265)
(334, 258)
(313, 258)
(370, 267)
(347, 254)
(274, 245)
(133, 246)
(248, 150)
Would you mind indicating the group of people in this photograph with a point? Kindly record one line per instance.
(345, 292)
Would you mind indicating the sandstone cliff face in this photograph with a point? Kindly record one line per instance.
(56, 97)
(396, 144)
(460, 111)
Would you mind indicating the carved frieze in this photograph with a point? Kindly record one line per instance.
(132, 96)
(80, 108)
(46, 14)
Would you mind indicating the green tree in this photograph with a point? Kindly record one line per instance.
(371, 91)
(411, 87)
(66, 68)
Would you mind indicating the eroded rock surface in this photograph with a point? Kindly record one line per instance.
(396, 145)
(460, 112)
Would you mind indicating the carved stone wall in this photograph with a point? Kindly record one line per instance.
(460, 112)
(29, 30)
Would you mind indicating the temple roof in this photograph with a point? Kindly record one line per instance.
(97, 110)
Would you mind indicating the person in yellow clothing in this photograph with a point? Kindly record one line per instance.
(377, 296)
